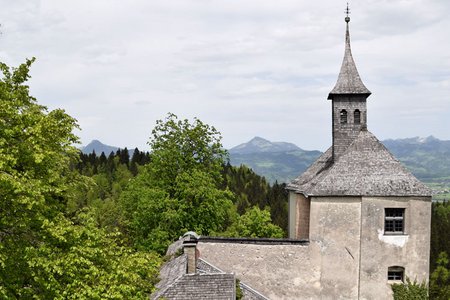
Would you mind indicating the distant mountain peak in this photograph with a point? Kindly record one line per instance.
(98, 147)
(415, 140)
(261, 145)
(427, 139)
(257, 139)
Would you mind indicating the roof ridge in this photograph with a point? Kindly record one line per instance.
(366, 168)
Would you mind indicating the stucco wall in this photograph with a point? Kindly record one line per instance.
(334, 241)
(276, 271)
(380, 251)
(299, 213)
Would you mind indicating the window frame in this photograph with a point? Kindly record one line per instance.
(343, 116)
(396, 274)
(394, 221)
(357, 116)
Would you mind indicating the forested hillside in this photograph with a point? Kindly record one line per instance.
(110, 174)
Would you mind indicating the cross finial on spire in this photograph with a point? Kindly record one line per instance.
(347, 12)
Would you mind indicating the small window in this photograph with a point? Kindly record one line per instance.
(357, 116)
(343, 116)
(396, 273)
(394, 221)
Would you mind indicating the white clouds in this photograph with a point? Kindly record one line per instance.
(248, 67)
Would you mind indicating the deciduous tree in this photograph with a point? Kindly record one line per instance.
(179, 189)
(43, 253)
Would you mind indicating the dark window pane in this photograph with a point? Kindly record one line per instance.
(394, 220)
(343, 116)
(395, 273)
(357, 116)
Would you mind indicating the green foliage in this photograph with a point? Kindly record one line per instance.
(254, 223)
(440, 227)
(83, 261)
(440, 279)
(179, 147)
(108, 177)
(43, 254)
(440, 251)
(410, 290)
(156, 219)
(250, 189)
(179, 189)
(239, 293)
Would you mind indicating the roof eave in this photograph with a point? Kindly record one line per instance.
(331, 95)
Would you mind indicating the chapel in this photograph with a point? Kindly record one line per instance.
(358, 222)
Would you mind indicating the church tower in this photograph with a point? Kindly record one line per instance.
(358, 206)
(349, 98)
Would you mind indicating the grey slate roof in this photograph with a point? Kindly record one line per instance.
(202, 286)
(211, 283)
(348, 81)
(366, 168)
(170, 272)
(248, 292)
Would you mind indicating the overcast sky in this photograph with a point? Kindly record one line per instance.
(247, 67)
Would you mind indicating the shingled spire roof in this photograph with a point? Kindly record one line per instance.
(366, 168)
(348, 81)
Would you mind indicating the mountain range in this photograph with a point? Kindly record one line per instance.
(277, 161)
(427, 158)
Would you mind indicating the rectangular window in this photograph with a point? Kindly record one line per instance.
(394, 220)
(395, 273)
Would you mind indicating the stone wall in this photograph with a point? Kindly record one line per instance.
(344, 134)
(276, 271)
(299, 211)
(334, 241)
(380, 251)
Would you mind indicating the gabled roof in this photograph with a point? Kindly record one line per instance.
(348, 81)
(366, 168)
(170, 273)
(210, 283)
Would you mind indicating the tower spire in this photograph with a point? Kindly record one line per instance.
(349, 82)
(347, 12)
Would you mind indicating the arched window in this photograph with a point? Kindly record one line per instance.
(343, 116)
(357, 116)
(396, 273)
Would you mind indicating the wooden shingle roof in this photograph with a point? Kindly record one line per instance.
(366, 168)
(349, 81)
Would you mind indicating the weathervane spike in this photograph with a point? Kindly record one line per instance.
(347, 12)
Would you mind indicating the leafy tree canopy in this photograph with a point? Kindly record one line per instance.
(43, 253)
(178, 146)
(178, 190)
(254, 223)
(440, 278)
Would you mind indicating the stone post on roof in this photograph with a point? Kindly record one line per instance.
(190, 249)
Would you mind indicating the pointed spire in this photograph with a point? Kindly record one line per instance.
(348, 81)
